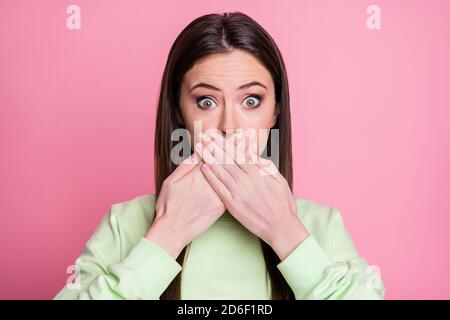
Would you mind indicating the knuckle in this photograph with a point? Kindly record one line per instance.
(167, 182)
(263, 161)
(237, 197)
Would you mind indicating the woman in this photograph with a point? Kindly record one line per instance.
(219, 227)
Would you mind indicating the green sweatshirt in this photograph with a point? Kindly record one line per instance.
(224, 262)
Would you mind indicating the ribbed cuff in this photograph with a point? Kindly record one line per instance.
(304, 267)
(154, 267)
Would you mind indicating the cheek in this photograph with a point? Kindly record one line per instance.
(261, 117)
(194, 119)
(261, 122)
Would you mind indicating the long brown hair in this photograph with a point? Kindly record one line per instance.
(220, 33)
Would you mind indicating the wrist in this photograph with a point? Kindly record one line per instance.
(288, 236)
(165, 238)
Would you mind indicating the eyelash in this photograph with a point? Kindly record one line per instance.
(256, 96)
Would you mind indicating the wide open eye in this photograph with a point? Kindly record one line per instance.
(252, 101)
(205, 102)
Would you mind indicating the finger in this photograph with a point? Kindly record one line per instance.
(192, 159)
(221, 190)
(265, 166)
(201, 149)
(240, 146)
(250, 150)
(218, 169)
(219, 152)
(268, 168)
(184, 167)
(253, 148)
(214, 148)
(245, 151)
(227, 145)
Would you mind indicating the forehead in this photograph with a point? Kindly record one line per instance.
(229, 69)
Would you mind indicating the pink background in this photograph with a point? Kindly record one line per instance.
(370, 114)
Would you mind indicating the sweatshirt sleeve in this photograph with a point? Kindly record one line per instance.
(100, 273)
(312, 273)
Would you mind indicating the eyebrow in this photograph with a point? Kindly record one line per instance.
(244, 86)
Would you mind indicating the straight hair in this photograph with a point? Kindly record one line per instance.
(206, 35)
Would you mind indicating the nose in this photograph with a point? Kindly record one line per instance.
(228, 121)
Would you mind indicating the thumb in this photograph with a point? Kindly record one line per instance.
(185, 166)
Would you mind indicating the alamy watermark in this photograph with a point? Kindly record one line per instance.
(182, 148)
